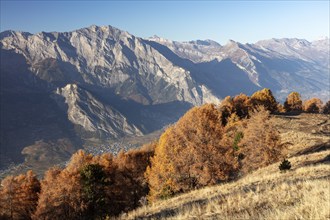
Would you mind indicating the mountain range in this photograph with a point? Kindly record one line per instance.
(70, 90)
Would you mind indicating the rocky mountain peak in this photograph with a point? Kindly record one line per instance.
(106, 83)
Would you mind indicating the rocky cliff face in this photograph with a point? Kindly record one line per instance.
(108, 57)
(95, 117)
(101, 83)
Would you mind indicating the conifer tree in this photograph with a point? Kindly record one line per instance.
(313, 105)
(293, 102)
(326, 108)
(260, 144)
(264, 98)
(189, 155)
(93, 182)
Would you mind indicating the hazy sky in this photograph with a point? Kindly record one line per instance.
(243, 21)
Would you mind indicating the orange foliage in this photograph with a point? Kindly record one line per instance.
(62, 195)
(293, 102)
(19, 196)
(242, 105)
(190, 155)
(313, 105)
(264, 98)
(260, 144)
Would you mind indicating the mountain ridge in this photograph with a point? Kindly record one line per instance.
(129, 86)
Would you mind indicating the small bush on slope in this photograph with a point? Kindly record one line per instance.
(285, 165)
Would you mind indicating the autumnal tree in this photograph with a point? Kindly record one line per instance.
(293, 102)
(19, 196)
(189, 155)
(92, 187)
(8, 198)
(61, 190)
(226, 109)
(264, 98)
(242, 105)
(260, 144)
(29, 190)
(49, 184)
(280, 108)
(313, 105)
(326, 108)
(130, 176)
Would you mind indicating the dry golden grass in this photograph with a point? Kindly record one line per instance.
(305, 132)
(301, 193)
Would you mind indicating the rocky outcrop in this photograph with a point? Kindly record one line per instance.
(84, 110)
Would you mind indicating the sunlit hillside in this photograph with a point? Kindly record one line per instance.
(300, 193)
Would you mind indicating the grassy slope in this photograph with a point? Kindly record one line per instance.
(301, 193)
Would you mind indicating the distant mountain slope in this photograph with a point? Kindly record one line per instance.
(283, 65)
(100, 83)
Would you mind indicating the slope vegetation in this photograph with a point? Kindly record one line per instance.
(300, 193)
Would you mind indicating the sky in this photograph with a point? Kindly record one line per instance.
(243, 21)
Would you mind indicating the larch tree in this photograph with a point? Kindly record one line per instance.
(264, 98)
(293, 102)
(242, 105)
(260, 145)
(8, 199)
(313, 105)
(326, 108)
(29, 188)
(226, 108)
(19, 196)
(61, 191)
(130, 176)
(189, 155)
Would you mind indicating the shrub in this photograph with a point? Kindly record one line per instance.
(285, 165)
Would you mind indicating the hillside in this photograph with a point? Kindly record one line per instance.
(300, 193)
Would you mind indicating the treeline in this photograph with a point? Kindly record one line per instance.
(208, 145)
(89, 187)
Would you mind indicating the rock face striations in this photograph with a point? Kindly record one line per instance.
(104, 83)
